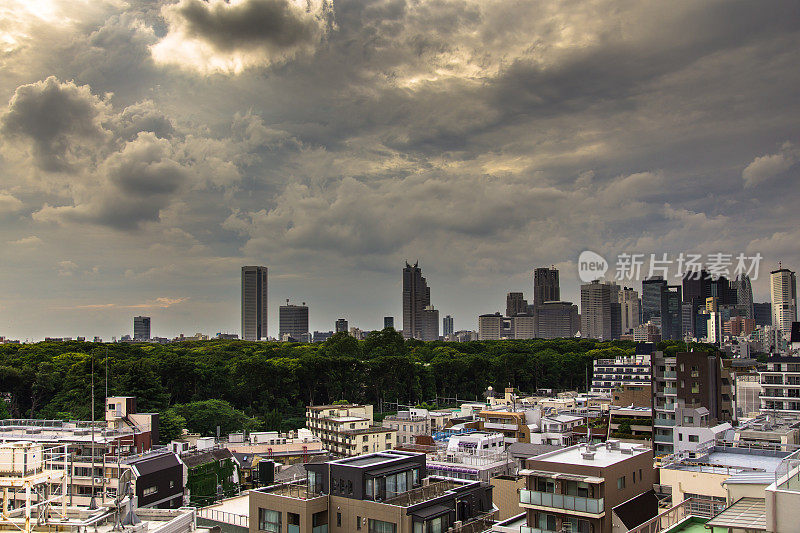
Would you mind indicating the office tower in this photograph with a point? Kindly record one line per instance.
(672, 320)
(545, 286)
(616, 309)
(783, 290)
(420, 319)
(254, 303)
(293, 321)
(630, 309)
(447, 325)
(687, 320)
(744, 294)
(556, 320)
(596, 311)
(497, 327)
(388, 322)
(762, 313)
(141, 328)
(516, 304)
(653, 301)
(342, 326)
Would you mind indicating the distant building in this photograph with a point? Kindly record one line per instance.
(498, 327)
(630, 309)
(388, 322)
(447, 326)
(254, 303)
(744, 294)
(348, 430)
(783, 290)
(342, 326)
(762, 313)
(609, 374)
(293, 321)
(545, 286)
(321, 336)
(596, 311)
(141, 328)
(555, 320)
(516, 304)
(420, 318)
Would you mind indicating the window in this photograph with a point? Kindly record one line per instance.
(694, 438)
(338, 519)
(688, 419)
(364, 438)
(547, 522)
(349, 487)
(149, 491)
(292, 523)
(379, 526)
(358, 523)
(269, 520)
(695, 387)
(621, 483)
(172, 484)
(640, 474)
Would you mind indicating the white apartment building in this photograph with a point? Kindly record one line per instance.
(780, 386)
(348, 430)
(612, 373)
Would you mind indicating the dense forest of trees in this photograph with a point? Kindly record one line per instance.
(266, 385)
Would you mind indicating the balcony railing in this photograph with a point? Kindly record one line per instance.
(662, 438)
(671, 390)
(692, 507)
(670, 374)
(526, 529)
(562, 501)
(663, 422)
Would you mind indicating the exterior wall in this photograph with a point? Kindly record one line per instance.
(305, 508)
(505, 495)
(684, 481)
(783, 510)
(352, 509)
(635, 395)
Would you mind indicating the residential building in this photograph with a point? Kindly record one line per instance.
(689, 380)
(783, 290)
(388, 322)
(555, 320)
(141, 328)
(212, 474)
(780, 386)
(596, 311)
(385, 492)
(738, 326)
(609, 374)
(348, 430)
(447, 326)
(545, 286)
(630, 423)
(254, 303)
(293, 321)
(511, 423)
(408, 425)
(516, 304)
(575, 488)
(420, 319)
(498, 327)
(770, 432)
(321, 336)
(632, 396)
(341, 326)
(646, 333)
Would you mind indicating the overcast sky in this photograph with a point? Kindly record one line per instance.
(149, 149)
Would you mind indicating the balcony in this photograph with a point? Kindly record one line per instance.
(671, 390)
(663, 422)
(663, 438)
(579, 504)
(526, 529)
(670, 374)
(497, 425)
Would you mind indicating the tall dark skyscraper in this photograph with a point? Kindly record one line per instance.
(342, 326)
(596, 310)
(653, 300)
(254, 303)
(141, 328)
(388, 322)
(545, 286)
(420, 319)
(744, 294)
(447, 325)
(293, 321)
(672, 320)
(516, 304)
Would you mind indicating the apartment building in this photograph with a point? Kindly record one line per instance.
(512, 424)
(690, 380)
(348, 430)
(408, 425)
(780, 386)
(609, 374)
(385, 492)
(574, 489)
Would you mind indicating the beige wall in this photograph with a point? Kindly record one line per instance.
(682, 481)
(305, 508)
(505, 495)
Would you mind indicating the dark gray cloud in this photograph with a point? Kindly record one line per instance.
(56, 118)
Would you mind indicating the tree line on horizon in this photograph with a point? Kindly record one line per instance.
(240, 385)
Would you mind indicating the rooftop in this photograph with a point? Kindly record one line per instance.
(604, 455)
(746, 513)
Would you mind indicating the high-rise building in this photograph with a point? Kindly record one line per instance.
(653, 301)
(497, 327)
(388, 322)
(342, 326)
(556, 320)
(744, 294)
(141, 328)
(420, 319)
(545, 286)
(254, 303)
(672, 320)
(596, 311)
(783, 290)
(516, 304)
(293, 321)
(447, 326)
(762, 313)
(630, 309)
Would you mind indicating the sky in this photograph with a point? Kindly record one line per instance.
(150, 148)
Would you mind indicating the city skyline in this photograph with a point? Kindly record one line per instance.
(147, 156)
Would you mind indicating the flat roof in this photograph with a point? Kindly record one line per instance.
(745, 460)
(603, 456)
(347, 418)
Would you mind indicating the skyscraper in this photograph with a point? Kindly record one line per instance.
(545, 286)
(762, 313)
(516, 304)
(630, 309)
(556, 320)
(254, 302)
(342, 326)
(293, 321)
(447, 325)
(420, 319)
(596, 311)
(388, 322)
(653, 300)
(744, 294)
(141, 328)
(783, 289)
(672, 320)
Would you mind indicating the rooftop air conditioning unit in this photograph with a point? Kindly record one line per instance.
(589, 456)
(627, 451)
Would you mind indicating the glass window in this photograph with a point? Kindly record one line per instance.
(547, 522)
(358, 523)
(379, 526)
(269, 520)
(621, 483)
(338, 519)
(370, 488)
(391, 486)
(292, 523)
(545, 485)
(402, 479)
